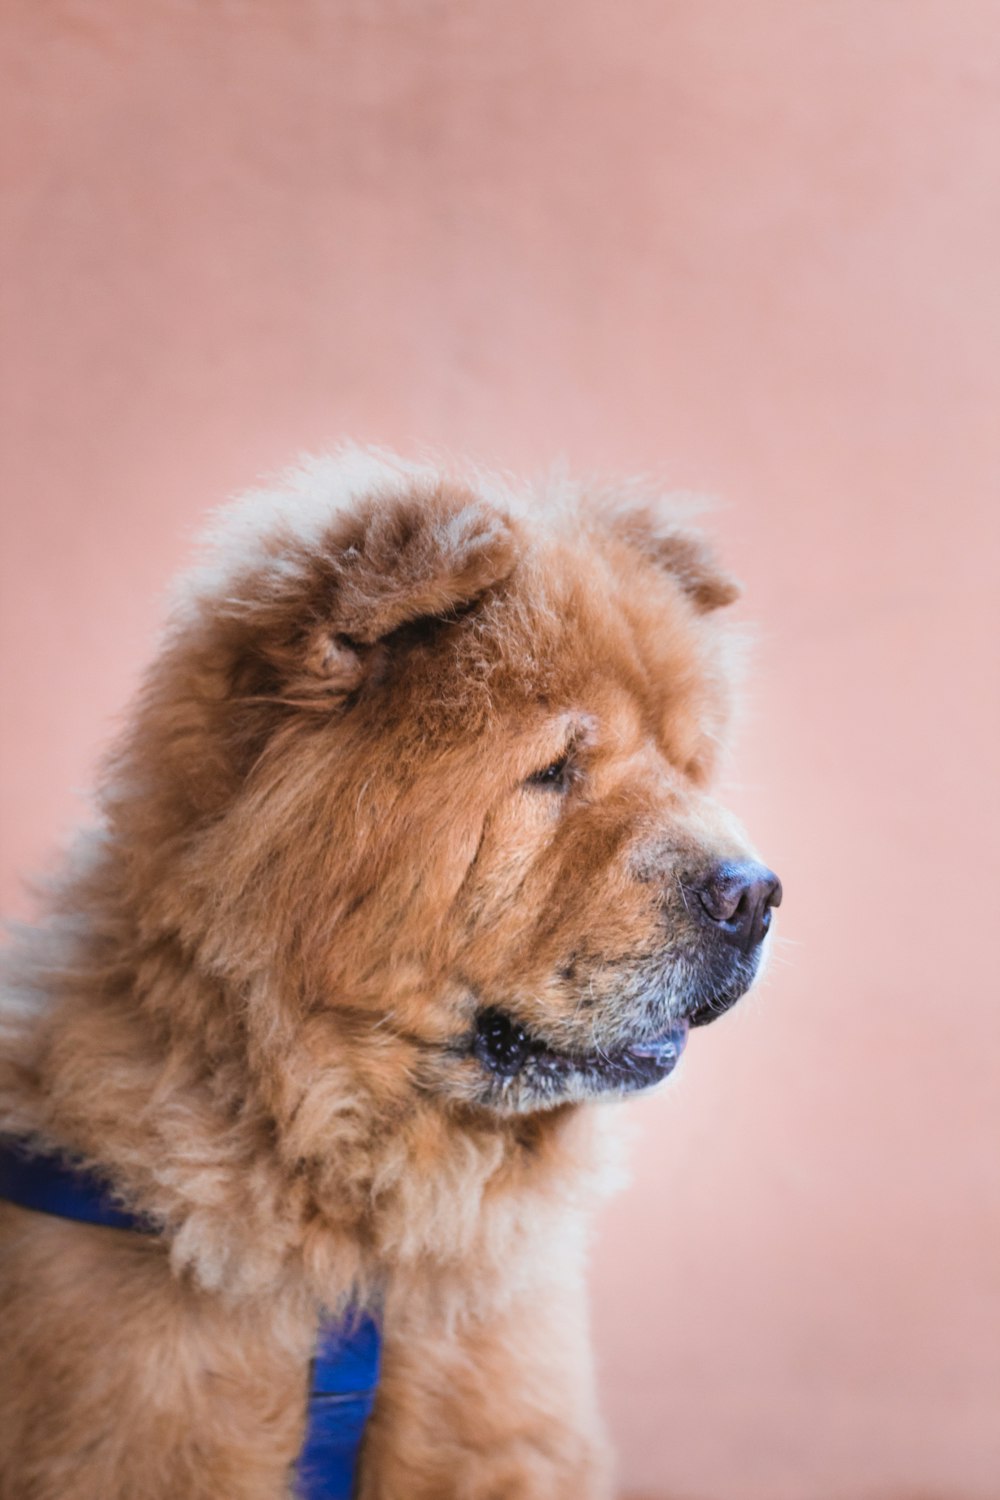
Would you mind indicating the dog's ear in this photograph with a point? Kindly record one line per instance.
(413, 557)
(683, 553)
(387, 562)
(293, 610)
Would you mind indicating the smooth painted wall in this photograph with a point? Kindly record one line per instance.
(753, 245)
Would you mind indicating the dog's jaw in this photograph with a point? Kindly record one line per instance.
(520, 1071)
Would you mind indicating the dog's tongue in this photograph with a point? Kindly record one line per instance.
(665, 1049)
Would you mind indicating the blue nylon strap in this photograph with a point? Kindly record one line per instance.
(344, 1380)
(345, 1368)
(52, 1186)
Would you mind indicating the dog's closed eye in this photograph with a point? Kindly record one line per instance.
(557, 777)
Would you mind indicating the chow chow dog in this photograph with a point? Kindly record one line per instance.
(407, 865)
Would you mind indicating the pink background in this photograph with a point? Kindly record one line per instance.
(754, 244)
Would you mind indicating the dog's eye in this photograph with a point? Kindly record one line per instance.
(556, 777)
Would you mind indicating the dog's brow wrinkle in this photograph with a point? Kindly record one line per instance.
(473, 862)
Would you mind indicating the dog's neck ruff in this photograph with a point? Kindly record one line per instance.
(345, 1364)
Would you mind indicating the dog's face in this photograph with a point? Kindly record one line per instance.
(467, 819)
(610, 903)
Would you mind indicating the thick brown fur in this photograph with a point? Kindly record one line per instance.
(323, 847)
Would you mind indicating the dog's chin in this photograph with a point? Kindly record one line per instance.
(521, 1072)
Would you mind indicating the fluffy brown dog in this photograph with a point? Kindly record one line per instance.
(406, 856)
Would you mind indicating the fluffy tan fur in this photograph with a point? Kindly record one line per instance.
(323, 848)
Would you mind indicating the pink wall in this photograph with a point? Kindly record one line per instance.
(757, 245)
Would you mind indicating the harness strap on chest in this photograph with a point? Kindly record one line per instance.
(345, 1366)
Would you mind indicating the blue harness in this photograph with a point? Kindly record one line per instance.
(345, 1365)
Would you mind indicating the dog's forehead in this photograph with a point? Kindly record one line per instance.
(616, 639)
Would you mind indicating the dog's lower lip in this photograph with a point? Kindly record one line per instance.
(663, 1048)
(505, 1049)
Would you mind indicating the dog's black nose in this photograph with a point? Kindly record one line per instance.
(737, 899)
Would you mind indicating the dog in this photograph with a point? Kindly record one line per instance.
(407, 865)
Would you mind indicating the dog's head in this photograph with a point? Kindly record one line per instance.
(432, 769)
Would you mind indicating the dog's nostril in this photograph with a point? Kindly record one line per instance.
(737, 899)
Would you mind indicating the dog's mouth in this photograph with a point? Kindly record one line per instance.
(519, 1069)
(508, 1051)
